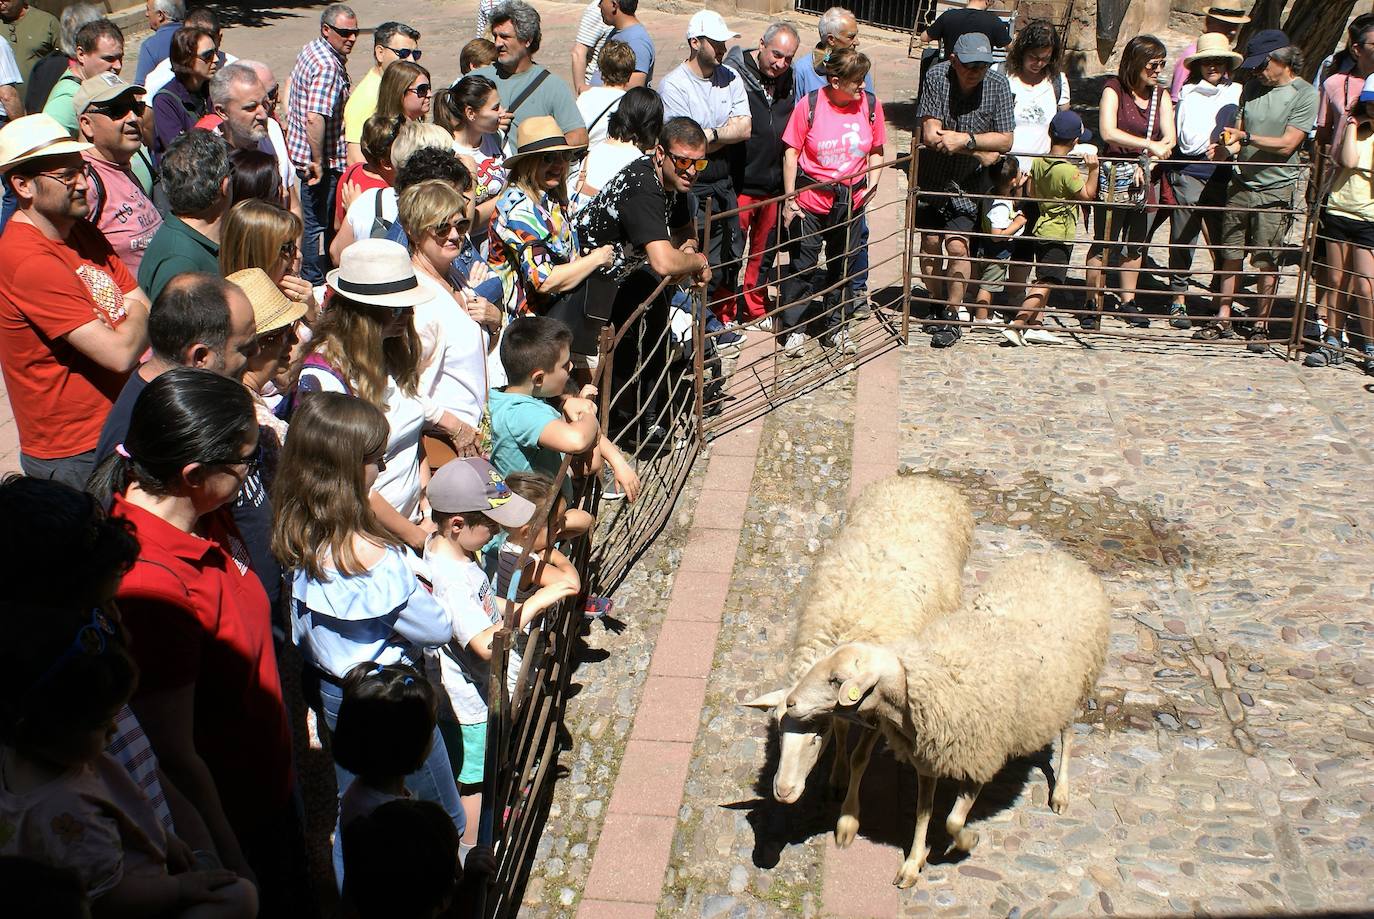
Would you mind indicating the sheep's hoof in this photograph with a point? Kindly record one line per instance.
(965, 840)
(1059, 801)
(846, 828)
(911, 871)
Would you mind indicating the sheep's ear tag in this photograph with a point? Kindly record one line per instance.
(850, 693)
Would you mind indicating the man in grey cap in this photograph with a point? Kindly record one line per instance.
(108, 112)
(966, 115)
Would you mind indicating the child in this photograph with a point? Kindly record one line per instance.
(63, 800)
(470, 504)
(402, 862)
(383, 733)
(1005, 222)
(534, 422)
(547, 575)
(1056, 183)
(477, 53)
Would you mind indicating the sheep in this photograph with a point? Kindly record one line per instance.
(896, 565)
(997, 679)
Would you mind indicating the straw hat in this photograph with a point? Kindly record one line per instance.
(1223, 12)
(272, 309)
(378, 272)
(540, 134)
(1212, 46)
(32, 137)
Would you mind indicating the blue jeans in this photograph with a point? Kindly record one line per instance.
(317, 210)
(431, 782)
(11, 204)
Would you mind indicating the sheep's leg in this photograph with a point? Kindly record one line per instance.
(916, 860)
(839, 766)
(848, 825)
(1059, 801)
(964, 838)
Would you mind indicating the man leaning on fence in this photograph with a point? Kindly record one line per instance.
(967, 116)
(1277, 110)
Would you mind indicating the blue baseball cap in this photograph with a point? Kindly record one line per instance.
(1258, 49)
(1067, 125)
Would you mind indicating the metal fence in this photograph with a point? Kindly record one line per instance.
(901, 15)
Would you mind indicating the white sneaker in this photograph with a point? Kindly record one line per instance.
(1040, 337)
(1014, 336)
(845, 343)
(794, 344)
(766, 324)
(963, 314)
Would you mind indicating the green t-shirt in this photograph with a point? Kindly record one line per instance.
(517, 421)
(1058, 183)
(1268, 111)
(61, 103)
(175, 249)
(33, 36)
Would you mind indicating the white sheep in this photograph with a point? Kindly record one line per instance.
(997, 679)
(895, 566)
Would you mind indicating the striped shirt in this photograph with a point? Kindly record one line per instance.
(319, 84)
(131, 749)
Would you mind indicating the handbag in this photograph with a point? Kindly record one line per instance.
(585, 309)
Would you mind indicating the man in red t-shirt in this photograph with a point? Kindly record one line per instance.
(73, 321)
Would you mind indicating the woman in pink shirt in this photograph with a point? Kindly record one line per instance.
(835, 134)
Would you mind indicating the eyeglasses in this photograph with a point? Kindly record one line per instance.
(1155, 65)
(688, 163)
(269, 340)
(68, 177)
(272, 93)
(91, 641)
(119, 109)
(421, 91)
(208, 55)
(342, 33)
(251, 464)
(289, 250)
(379, 461)
(405, 54)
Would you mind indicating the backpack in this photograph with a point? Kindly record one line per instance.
(811, 107)
(97, 183)
(381, 227)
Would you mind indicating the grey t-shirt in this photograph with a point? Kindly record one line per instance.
(710, 103)
(1268, 111)
(552, 97)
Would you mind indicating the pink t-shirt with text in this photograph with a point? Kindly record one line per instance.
(126, 215)
(834, 147)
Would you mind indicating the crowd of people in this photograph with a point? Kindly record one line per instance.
(317, 378)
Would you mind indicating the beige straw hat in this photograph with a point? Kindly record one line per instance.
(1227, 12)
(539, 134)
(272, 309)
(32, 137)
(1213, 46)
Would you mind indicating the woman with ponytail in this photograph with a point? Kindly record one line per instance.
(209, 697)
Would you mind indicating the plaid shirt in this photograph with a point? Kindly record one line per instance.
(990, 108)
(319, 83)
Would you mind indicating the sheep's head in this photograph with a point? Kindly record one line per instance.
(800, 743)
(838, 683)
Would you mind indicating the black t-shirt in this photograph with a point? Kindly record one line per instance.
(629, 212)
(951, 24)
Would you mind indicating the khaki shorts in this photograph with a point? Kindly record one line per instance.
(1263, 232)
(994, 276)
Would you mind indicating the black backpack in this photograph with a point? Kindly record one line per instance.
(811, 107)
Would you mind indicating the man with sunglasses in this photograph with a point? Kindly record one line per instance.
(314, 130)
(644, 212)
(967, 115)
(108, 112)
(391, 41)
(73, 321)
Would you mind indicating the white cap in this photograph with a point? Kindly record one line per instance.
(710, 24)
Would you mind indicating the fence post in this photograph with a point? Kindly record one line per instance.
(699, 329)
(909, 238)
(1309, 246)
(497, 712)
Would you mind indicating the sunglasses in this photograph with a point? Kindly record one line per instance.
(405, 54)
(688, 163)
(442, 230)
(289, 250)
(91, 641)
(208, 55)
(1155, 65)
(421, 91)
(269, 340)
(120, 108)
(379, 461)
(342, 33)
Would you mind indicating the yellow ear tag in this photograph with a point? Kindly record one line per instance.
(853, 694)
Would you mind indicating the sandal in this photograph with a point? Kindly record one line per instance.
(1213, 331)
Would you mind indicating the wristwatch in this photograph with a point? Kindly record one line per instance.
(972, 142)
(1245, 140)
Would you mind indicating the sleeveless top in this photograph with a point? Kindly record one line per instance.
(1132, 118)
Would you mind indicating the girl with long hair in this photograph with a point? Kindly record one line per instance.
(472, 111)
(257, 234)
(1039, 87)
(404, 93)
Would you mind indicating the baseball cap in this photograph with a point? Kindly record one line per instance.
(710, 24)
(973, 48)
(1068, 125)
(102, 88)
(473, 484)
(1367, 94)
(1262, 45)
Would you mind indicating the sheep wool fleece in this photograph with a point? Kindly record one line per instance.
(1001, 677)
(896, 565)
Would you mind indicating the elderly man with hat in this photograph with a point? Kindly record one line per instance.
(73, 321)
(1209, 101)
(1277, 110)
(711, 94)
(108, 113)
(1224, 19)
(967, 116)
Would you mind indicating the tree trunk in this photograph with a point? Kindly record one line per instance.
(1316, 26)
(1265, 15)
